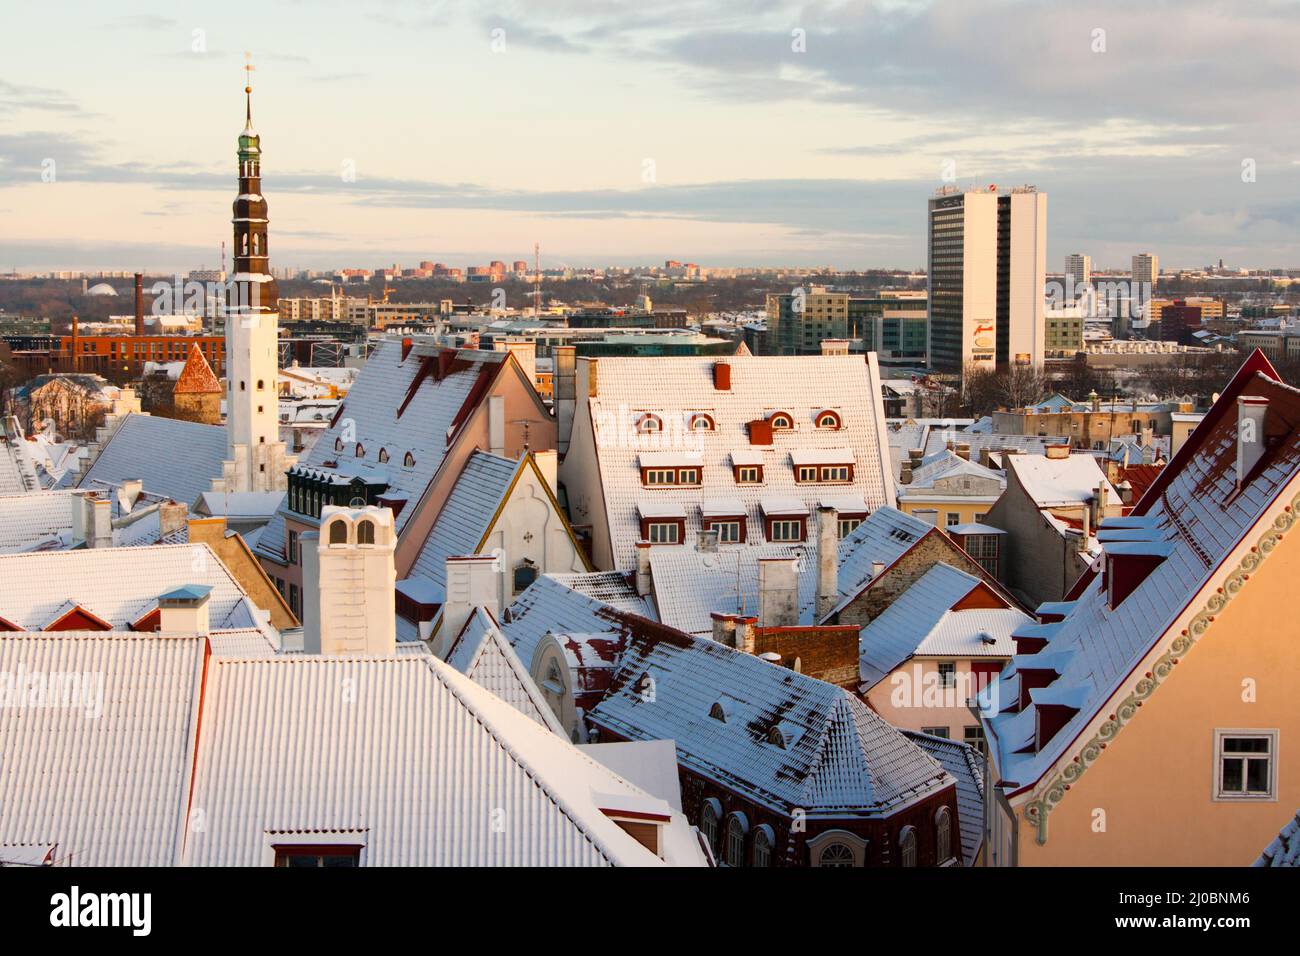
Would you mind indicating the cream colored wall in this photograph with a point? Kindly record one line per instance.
(1154, 779)
(968, 510)
(580, 474)
(901, 697)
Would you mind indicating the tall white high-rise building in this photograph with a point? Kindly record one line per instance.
(1145, 274)
(1079, 266)
(987, 278)
(257, 460)
(1146, 268)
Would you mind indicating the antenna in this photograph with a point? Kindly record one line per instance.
(537, 280)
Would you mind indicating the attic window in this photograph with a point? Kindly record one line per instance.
(366, 532)
(361, 450)
(383, 456)
(781, 421)
(828, 419)
(649, 423)
(409, 460)
(718, 712)
(702, 422)
(775, 737)
(338, 444)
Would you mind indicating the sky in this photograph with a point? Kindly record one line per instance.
(728, 133)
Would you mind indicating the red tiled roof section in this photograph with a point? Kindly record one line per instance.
(1140, 478)
(197, 377)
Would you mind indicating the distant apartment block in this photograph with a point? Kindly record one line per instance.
(798, 320)
(987, 277)
(893, 324)
(1079, 267)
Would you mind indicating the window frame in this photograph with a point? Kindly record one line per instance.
(1221, 734)
(650, 531)
(950, 680)
(774, 523)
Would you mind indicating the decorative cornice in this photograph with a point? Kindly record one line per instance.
(1036, 812)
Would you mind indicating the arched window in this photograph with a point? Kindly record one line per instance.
(261, 385)
(649, 423)
(366, 532)
(907, 846)
(762, 852)
(710, 815)
(828, 419)
(338, 532)
(837, 855)
(361, 450)
(735, 850)
(338, 444)
(700, 422)
(244, 245)
(943, 835)
(774, 736)
(256, 246)
(409, 460)
(718, 712)
(383, 455)
(781, 421)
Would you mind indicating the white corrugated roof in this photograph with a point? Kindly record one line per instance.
(1060, 482)
(30, 520)
(171, 457)
(675, 388)
(482, 653)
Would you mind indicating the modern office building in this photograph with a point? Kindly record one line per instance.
(987, 278)
(1079, 266)
(893, 323)
(798, 320)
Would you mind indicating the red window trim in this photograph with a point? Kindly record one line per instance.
(803, 527)
(647, 522)
(822, 478)
(677, 476)
(735, 474)
(709, 522)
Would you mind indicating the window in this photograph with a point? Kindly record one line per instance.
(907, 846)
(409, 460)
(365, 532)
(728, 531)
(780, 421)
(295, 604)
(701, 422)
(318, 856)
(718, 712)
(828, 419)
(650, 423)
(943, 835)
(935, 731)
(261, 385)
(836, 855)
(710, 815)
(836, 473)
(383, 456)
(847, 525)
(663, 532)
(953, 519)
(660, 476)
(1246, 764)
(947, 674)
(338, 444)
(360, 450)
(786, 530)
(293, 547)
(761, 855)
(688, 476)
(736, 827)
(805, 473)
(973, 734)
(338, 532)
(748, 474)
(776, 738)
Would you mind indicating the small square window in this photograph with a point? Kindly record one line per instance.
(936, 731)
(947, 674)
(1245, 764)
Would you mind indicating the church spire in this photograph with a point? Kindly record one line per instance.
(248, 91)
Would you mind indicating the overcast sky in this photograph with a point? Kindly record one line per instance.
(735, 132)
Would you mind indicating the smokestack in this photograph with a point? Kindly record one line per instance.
(139, 303)
(828, 564)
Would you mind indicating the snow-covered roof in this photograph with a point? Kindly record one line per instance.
(569, 604)
(947, 464)
(241, 505)
(1285, 848)
(966, 764)
(920, 621)
(30, 522)
(1060, 482)
(431, 408)
(17, 468)
(838, 758)
(171, 457)
(1197, 509)
(117, 584)
(677, 388)
(482, 653)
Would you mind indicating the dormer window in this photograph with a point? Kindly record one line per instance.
(749, 474)
(408, 461)
(828, 419)
(781, 421)
(361, 450)
(649, 424)
(718, 712)
(776, 738)
(383, 456)
(701, 422)
(338, 444)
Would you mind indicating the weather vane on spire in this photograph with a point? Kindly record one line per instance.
(248, 86)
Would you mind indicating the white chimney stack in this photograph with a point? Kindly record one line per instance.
(128, 493)
(1251, 412)
(828, 561)
(349, 582)
(778, 592)
(644, 580)
(184, 610)
(472, 581)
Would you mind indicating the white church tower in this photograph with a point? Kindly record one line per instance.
(348, 582)
(256, 457)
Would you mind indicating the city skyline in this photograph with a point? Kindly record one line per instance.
(744, 134)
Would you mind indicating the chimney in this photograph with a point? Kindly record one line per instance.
(828, 561)
(100, 524)
(547, 463)
(139, 303)
(915, 456)
(1087, 527)
(128, 493)
(877, 569)
(1251, 413)
(963, 451)
(564, 384)
(778, 592)
(172, 517)
(1057, 452)
(724, 628)
(184, 610)
(706, 542)
(722, 376)
(349, 582)
(835, 346)
(906, 477)
(497, 425)
(525, 353)
(744, 634)
(472, 581)
(644, 581)
(986, 457)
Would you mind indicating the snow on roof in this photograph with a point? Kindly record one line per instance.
(650, 764)
(973, 527)
(1204, 518)
(677, 387)
(28, 521)
(569, 604)
(463, 522)
(422, 767)
(920, 622)
(966, 764)
(783, 505)
(667, 459)
(369, 417)
(482, 653)
(174, 458)
(947, 464)
(1285, 848)
(241, 504)
(661, 509)
(821, 456)
(840, 758)
(721, 507)
(17, 469)
(107, 790)
(1060, 482)
(117, 584)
